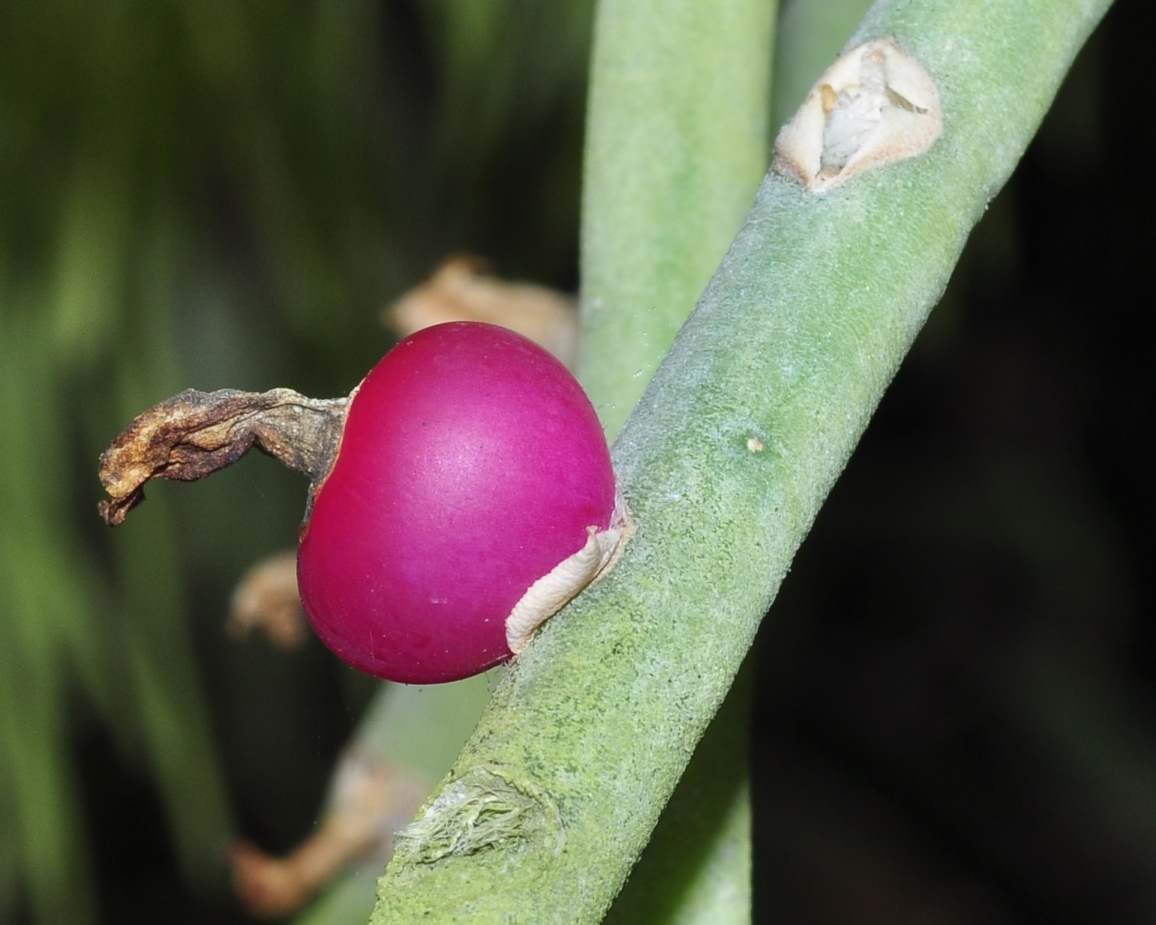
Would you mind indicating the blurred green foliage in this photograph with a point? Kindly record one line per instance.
(208, 194)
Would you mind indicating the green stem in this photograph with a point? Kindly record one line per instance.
(676, 145)
(696, 869)
(725, 462)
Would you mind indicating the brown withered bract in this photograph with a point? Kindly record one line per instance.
(266, 598)
(194, 434)
(371, 800)
(460, 290)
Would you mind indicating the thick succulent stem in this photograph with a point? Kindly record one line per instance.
(724, 464)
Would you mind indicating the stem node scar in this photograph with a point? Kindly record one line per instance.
(874, 106)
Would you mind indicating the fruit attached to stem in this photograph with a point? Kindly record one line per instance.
(460, 496)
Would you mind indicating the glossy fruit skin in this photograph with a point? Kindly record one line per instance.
(472, 463)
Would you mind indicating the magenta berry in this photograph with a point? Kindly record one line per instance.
(471, 466)
(459, 497)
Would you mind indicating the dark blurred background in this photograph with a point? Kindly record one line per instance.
(955, 718)
(957, 713)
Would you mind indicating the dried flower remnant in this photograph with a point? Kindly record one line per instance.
(874, 106)
(464, 423)
(459, 290)
(194, 434)
(266, 598)
(371, 800)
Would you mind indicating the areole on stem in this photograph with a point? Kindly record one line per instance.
(459, 497)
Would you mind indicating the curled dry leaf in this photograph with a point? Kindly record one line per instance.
(371, 800)
(873, 106)
(460, 291)
(267, 598)
(194, 434)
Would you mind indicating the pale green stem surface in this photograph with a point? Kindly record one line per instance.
(696, 869)
(676, 146)
(790, 350)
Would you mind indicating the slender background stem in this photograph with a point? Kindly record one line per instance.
(676, 145)
(676, 142)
